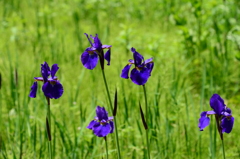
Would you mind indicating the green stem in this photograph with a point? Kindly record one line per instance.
(105, 138)
(146, 115)
(223, 149)
(115, 119)
(48, 125)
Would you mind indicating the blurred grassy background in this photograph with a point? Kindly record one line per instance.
(195, 45)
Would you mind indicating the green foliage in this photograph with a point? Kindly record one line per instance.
(195, 45)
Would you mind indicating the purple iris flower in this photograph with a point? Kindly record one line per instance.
(223, 115)
(90, 56)
(142, 71)
(102, 125)
(51, 88)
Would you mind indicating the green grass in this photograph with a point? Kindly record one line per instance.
(195, 48)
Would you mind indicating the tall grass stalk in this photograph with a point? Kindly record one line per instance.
(146, 115)
(115, 119)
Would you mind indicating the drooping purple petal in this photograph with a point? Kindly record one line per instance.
(217, 104)
(107, 56)
(101, 113)
(91, 124)
(139, 77)
(204, 121)
(227, 124)
(52, 89)
(112, 126)
(125, 71)
(89, 60)
(33, 91)
(137, 57)
(101, 130)
(45, 70)
(150, 67)
(54, 69)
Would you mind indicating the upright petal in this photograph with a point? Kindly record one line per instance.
(101, 130)
(137, 57)
(52, 89)
(125, 71)
(102, 114)
(97, 43)
(227, 124)
(45, 70)
(91, 124)
(54, 69)
(139, 77)
(107, 56)
(88, 39)
(33, 91)
(89, 60)
(112, 126)
(204, 121)
(217, 104)
(106, 46)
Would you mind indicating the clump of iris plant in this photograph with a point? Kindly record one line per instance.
(51, 88)
(102, 125)
(139, 75)
(142, 71)
(90, 56)
(223, 116)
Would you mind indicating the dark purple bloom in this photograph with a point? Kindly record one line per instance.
(223, 115)
(91, 55)
(142, 71)
(102, 125)
(51, 88)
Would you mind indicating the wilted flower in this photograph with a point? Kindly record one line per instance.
(142, 71)
(51, 88)
(222, 113)
(90, 56)
(102, 125)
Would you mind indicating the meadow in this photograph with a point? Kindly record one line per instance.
(195, 45)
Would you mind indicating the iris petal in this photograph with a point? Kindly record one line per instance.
(54, 69)
(54, 90)
(45, 70)
(102, 114)
(33, 91)
(101, 130)
(204, 121)
(97, 43)
(217, 104)
(107, 56)
(125, 71)
(137, 57)
(227, 124)
(112, 126)
(139, 77)
(91, 124)
(89, 60)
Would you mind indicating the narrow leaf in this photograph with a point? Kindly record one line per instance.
(115, 104)
(142, 116)
(48, 130)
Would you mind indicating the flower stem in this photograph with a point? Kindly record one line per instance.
(223, 149)
(115, 119)
(48, 126)
(146, 115)
(105, 138)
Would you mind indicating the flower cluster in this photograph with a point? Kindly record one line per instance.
(51, 88)
(223, 115)
(102, 125)
(142, 71)
(89, 57)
